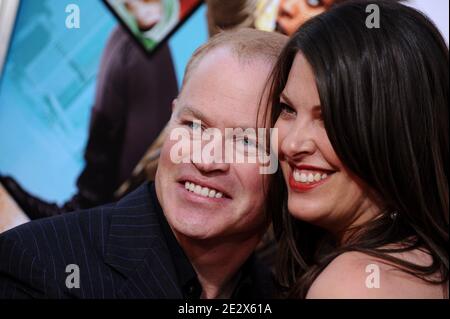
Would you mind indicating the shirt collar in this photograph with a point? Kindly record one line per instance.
(186, 275)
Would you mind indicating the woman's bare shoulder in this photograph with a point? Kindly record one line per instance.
(356, 275)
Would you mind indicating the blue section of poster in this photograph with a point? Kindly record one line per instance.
(47, 90)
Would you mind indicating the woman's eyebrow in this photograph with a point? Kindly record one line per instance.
(315, 108)
(284, 96)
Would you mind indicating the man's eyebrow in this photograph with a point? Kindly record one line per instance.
(189, 110)
(192, 111)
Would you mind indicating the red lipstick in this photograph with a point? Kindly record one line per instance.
(305, 187)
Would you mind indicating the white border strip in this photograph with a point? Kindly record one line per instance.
(8, 12)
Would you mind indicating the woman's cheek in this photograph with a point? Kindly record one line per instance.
(327, 150)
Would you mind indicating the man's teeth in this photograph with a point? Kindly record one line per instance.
(202, 191)
(308, 178)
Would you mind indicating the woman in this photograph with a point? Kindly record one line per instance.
(362, 118)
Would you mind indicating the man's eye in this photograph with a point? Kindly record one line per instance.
(248, 142)
(194, 125)
(246, 145)
(245, 141)
(286, 109)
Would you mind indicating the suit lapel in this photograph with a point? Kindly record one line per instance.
(137, 250)
(154, 278)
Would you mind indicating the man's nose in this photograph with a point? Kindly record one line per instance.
(208, 167)
(211, 157)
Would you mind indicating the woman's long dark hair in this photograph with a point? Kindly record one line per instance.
(384, 97)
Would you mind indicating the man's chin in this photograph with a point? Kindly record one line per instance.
(194, 230)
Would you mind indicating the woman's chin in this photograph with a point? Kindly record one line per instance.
(312, 213)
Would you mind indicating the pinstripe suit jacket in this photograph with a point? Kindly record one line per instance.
(119, 249)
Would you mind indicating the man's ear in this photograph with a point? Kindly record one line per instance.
(174, 103)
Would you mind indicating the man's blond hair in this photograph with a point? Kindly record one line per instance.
(245, 44)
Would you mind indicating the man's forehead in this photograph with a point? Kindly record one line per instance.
(224, 91)
(219, 60)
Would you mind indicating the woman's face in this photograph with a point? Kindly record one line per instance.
(320, 189)
(293, 13)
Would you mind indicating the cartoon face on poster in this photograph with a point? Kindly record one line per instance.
(286, 16)
(152, 21)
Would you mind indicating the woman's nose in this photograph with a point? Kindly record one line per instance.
(297, 143)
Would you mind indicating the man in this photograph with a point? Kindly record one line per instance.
(192, 233)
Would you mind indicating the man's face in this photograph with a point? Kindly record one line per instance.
(222, 92)
(293, 13)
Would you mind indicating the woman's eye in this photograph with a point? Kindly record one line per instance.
(286, 109)
(320, 117)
